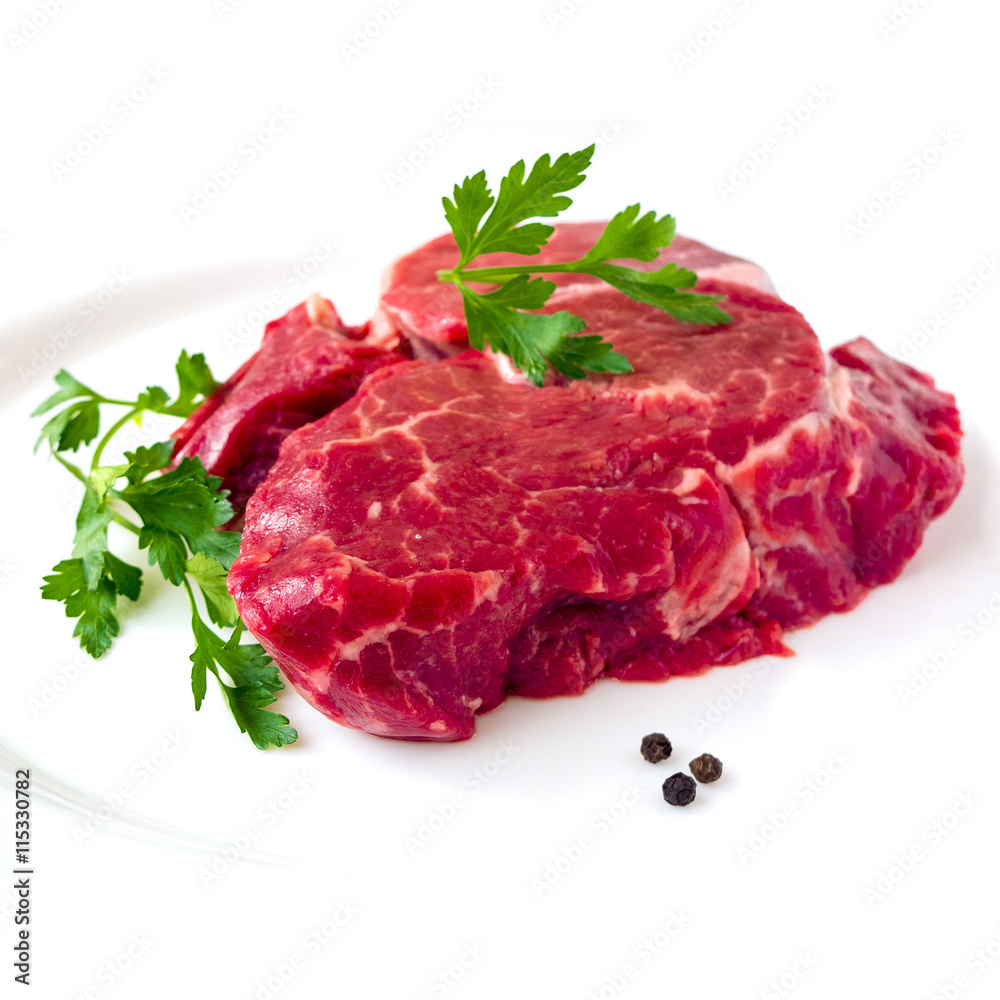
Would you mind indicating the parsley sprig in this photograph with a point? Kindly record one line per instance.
(179, 514)
(506, 318)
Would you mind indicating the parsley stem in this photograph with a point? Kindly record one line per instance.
(115, 428)
(125, 523)
(197, 617)
(194, 607)
(69, 466)
(488, 273)
(237, 630)
(115, 402)
(190, 593)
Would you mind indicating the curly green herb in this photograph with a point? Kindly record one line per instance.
(179, 515)
(506, 318)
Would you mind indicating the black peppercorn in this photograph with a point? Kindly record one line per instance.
(656, 747)
(706, 768)
(679, 789)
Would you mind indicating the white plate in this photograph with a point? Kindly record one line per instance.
(547, 826)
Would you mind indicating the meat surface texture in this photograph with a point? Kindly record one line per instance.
(308, 364)
(429, 314)
(450, 536)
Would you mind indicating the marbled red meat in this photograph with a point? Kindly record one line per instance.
(450, 536)
(429, 314)
(309, 362)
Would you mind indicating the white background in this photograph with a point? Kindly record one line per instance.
(879, 882)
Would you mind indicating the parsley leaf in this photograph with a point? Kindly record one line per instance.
(155, 399)
(195, 384)
(93, 605)
(210, 575)
(528, 339)
(660, 289)
(76, 425)
(506, 318)
(91, 541)
(126, 577)
(255, 681)
(145, 461)
(98, 624)
(540, 194)
(195, 381)
(66, 580)
(69, 388)
(574, 356)
(472, 201)
(521, 292)
(630, 237)
(180, 510)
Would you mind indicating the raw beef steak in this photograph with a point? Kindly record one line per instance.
(449, 536)
(308, 364)
(429, 313)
